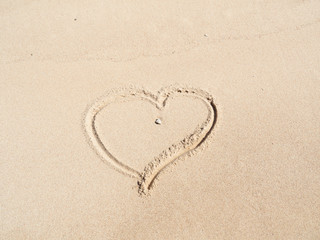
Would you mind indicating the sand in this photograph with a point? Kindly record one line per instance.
(236, 85)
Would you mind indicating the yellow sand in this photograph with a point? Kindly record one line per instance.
(258, 177)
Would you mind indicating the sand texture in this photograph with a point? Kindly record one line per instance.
(160, 120)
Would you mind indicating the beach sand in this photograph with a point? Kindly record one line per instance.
(235, 86)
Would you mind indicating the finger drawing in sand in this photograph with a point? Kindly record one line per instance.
(185, 147)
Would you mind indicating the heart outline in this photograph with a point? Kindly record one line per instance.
(185, 147)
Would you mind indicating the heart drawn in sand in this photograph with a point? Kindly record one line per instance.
(183, 148)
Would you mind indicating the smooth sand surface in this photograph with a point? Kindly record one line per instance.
(256, 175)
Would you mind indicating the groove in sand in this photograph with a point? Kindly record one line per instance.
(185, 147)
